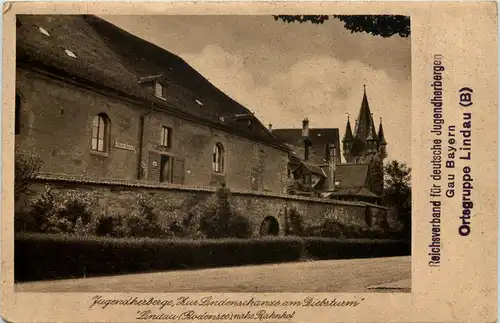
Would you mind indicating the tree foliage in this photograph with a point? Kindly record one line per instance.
(70, 212)
(397, 191)
(26, 168)
(377, 174)
(143, 221)
(377, 25)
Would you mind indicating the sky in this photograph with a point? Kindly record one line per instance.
(285, 72)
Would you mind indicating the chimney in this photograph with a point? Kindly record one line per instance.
(270, 127)
(305, 137)
(331, 166)
(305, 128)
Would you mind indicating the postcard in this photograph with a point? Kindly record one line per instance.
(250, 162)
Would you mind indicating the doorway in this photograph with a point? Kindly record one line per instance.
(166, 169)
(269, 227)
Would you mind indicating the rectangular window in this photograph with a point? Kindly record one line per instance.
(166, 134)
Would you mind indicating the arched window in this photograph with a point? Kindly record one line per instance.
(18, 114)
(218, 158)
(100, 129)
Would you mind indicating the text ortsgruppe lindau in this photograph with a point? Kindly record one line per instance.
(436, 159)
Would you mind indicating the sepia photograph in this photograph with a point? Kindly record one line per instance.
(213, 153)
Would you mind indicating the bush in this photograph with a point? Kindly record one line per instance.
(236, 226)
(295, 225)
(70, 212)
(40, 208)
(222, 221)
(109, 226)
(143, 222)
(73, 213)
(332, 229)
(48, 256)
(26, 168)
(41, 256)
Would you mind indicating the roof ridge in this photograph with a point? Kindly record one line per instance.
(161, 49)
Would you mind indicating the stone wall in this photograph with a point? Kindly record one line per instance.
(56, 123)
(173, 201)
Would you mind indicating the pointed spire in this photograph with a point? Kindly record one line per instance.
(365, 126)
(381, 137)
(348, 132)
(371, 133)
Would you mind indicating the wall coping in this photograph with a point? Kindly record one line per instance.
(63, 178)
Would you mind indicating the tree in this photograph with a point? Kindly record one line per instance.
(377, 25)
(377, 174)
(397, 192)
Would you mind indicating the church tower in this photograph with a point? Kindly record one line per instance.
(365, 143)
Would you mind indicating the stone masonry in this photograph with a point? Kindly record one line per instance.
(171, 201)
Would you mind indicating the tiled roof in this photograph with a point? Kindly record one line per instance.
(351, 176)
(362, 192)
(314, 169)
(320, 137)
(298, 153)
(107, 56)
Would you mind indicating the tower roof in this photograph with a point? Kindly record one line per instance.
(381, 137)
(365, 129)
(348, 132)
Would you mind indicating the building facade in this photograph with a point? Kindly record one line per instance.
(315, 164)
(95, 101)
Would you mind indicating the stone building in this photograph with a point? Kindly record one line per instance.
(95, 101)
(315, 164)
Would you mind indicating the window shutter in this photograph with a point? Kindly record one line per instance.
(154, 167)
(178, 171)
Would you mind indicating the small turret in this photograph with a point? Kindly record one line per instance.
(348, 138)
(382, 148)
